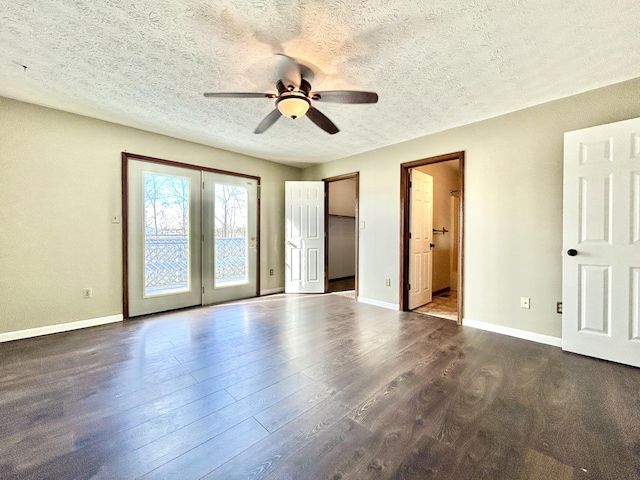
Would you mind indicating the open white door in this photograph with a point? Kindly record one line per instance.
(420, 238)
(601, 242)
(304, 237)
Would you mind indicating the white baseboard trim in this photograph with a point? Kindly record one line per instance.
(513, 332)
(271, 291)
(61, 327)
(378, 303)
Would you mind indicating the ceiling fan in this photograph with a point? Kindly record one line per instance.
(294, 97)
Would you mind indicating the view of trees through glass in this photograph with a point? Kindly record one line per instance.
(231, 234)
(166, 226)
(166, 222)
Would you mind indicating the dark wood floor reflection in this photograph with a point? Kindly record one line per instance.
(310, 387)
(342, 284)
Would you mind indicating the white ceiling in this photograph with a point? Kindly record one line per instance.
(435, 64)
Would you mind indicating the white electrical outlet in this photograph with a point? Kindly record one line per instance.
(87, 293)
(115, 218)
(524, 302)
(387, 282)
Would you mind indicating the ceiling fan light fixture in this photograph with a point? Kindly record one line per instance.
(293, 106)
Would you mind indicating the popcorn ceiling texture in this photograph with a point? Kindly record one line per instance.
(435, 64)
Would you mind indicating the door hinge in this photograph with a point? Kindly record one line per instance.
(409, 234)
(203, 289)
(410, 183)
(203, 185)
(408, 286)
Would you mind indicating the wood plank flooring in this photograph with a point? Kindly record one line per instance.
(310, 387)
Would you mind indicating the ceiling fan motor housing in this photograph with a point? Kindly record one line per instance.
(293, 102)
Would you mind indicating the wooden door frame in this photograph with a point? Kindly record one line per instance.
(405, 175)
(346, 176)
(125, 157)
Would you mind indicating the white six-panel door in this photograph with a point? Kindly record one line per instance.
(304, 237)
(421, 231)
(601, 242)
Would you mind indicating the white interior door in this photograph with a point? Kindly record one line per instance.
(304, 237)
(420, 238)
(163, 247)
(601, 242)
(230, 237)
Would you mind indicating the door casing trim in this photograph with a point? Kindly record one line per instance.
(405, 173)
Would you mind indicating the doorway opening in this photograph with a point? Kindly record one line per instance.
(341, 239)
(431, 260)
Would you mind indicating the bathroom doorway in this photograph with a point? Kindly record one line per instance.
(443, 278)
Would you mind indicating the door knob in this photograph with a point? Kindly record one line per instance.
(572, 252)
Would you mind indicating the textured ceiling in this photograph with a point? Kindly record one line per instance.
(435, 64)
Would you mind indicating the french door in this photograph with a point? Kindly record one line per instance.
(192, 237)
(230, 246)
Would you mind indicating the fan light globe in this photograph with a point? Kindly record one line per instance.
(293, 107)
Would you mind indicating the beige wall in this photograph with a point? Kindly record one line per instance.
(513, 205)
(342, 198)
(59, 186)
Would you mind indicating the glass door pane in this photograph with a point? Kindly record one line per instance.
(166, 234)
(230, 254)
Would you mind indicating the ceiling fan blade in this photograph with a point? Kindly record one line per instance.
(345, 96)
(289, 71)
(268, 121)
(239, 95)
(321, 120)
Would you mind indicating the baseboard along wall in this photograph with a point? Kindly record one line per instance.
(513, 332)
(62, 327)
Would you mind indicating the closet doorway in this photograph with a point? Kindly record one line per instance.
(436, 268)
(341, 239)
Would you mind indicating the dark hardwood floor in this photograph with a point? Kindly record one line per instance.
(310, 387)
(342, 284)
